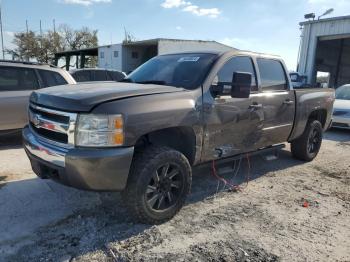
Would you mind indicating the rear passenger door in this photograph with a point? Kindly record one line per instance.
(16, 84)
(278, 102)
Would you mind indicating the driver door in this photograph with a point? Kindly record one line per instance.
(234, 125)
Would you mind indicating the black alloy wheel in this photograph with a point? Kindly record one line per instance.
(307, 146)
(314, 141)
(165, 187)
(158, 184)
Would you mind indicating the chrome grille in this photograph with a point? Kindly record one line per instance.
(52, 126)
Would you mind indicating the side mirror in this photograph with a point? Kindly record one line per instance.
(241, 84)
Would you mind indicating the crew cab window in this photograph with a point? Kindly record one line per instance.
(272, 74)
(51, 78)
(17, 79)
(237, 64)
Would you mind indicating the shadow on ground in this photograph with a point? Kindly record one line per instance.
(93, 220)
(60, 222)
(337, 135)
(10, 140)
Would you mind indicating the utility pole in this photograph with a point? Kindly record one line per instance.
(27, 26)
(41, 36)
(54, 26)
(2, 36)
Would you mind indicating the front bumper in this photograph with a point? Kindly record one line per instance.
(341, 122)
(104, 169)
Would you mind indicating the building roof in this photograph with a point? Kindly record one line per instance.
(331, 19)
(156, 40)
(85, 51)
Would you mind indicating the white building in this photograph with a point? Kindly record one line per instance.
(127, 56)
(325, 50)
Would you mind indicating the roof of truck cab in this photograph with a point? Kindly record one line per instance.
(250, 53)
(231, 52)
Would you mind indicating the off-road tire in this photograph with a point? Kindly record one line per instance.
(143, 167)
(299, 146)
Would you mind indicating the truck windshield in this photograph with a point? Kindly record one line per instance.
(179, 70)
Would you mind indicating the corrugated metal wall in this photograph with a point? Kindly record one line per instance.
(314, 30)
(110, 57)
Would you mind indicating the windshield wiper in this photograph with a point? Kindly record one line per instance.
(156, 82)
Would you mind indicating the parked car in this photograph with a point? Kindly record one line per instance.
(96, 74)
(341, 113)
(17, 81)
(299, 80)
(141, 136)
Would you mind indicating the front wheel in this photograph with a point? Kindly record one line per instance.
(159, 182)
(307, 146)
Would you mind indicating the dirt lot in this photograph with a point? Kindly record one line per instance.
(289, 211)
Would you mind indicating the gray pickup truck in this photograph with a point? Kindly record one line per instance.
(142, 135)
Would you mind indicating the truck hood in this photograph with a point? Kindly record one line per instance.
(83, 97)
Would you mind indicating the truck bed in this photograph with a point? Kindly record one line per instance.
(308, 100)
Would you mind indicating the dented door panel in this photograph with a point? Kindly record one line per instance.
(232, 127)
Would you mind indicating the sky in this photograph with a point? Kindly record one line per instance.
(269, 26)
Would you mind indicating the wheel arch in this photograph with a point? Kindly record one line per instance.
(319, 115)
(181, 138)
(302, 119)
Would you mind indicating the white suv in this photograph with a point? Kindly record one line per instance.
(17, 81)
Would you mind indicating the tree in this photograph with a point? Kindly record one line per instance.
(43, 47)
(27, 46)
(78, 39)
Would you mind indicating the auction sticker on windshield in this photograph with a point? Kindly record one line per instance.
(189, 59)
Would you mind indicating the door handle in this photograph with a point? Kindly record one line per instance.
(255, 106)
(288, 102)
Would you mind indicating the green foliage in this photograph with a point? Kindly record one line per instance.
(43, 47)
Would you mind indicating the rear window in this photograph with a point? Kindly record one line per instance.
(116, 76)
(100, 75)
(294, 77)
(272, 74)
(17, 79)
(82, 76)
(51, 78)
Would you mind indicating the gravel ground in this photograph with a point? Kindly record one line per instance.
(289, 211)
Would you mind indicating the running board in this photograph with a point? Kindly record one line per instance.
(271, 153)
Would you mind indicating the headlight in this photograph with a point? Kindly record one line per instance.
(99, 130)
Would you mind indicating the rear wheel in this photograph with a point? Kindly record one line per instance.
(307, 146)
(158, 185)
